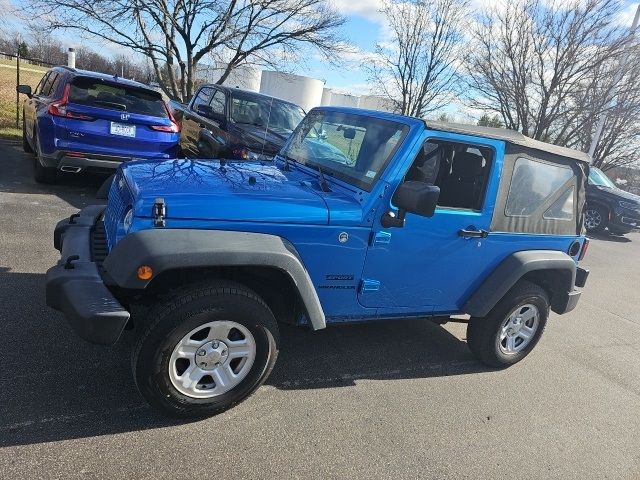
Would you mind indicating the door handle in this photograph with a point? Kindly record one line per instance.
(471, 232)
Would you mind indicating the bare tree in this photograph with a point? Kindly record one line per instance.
(619, 144)
(543, 65)
(177, 34)
(417, 70)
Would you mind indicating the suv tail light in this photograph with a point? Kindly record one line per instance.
(240, 153)
(173, 128)
(59, 108)
(585, 247)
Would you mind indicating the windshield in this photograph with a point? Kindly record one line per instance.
(354, 148)
(597, 177)
(271, 113)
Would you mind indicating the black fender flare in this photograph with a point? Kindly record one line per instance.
(558, 266)
(168, 249)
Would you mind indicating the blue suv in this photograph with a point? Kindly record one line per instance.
(362, 216)
(76, 120)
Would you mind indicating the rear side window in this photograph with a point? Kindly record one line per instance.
(46, 88)
(533, 183)
(116, 96)
(43, 80)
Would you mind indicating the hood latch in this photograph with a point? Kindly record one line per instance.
(159, 212)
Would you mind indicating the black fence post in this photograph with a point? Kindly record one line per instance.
(17, 94)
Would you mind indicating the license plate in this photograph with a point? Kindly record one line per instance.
(122, 129)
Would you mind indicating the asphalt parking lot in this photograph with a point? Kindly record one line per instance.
(389, 400)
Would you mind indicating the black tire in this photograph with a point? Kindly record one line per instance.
(25, 142)
(42, 174)
(185, 310)
(483, 334)
(596, 212)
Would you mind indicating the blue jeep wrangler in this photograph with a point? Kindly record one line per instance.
(362, 216)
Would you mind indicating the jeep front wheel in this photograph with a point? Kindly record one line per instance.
(205, 349)
(512, 329)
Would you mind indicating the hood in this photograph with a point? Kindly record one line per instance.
(235, 191)
(259, 137)
(618, 194)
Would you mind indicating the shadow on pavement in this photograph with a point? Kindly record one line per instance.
(54, 386)
(17, 177)
(608, 237)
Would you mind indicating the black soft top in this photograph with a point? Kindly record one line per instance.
(510, 136)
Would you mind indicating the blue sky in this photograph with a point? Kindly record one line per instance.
(365, 26)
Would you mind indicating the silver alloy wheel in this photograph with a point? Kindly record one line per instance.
(212, 359)
(592, 219)
(519, 329)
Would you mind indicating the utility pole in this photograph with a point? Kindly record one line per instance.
(18, 42)
(612, 89)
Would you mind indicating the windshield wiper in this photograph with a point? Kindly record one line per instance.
(250, 123)
(287, 158)
(324, 186)
(117, 106)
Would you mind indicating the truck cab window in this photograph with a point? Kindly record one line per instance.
(217, 102)
(202, 98)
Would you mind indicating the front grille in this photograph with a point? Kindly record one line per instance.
(119, 200)
(99, 249)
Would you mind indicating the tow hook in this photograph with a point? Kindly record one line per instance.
(159, 212)
(68, 265)
(72, 218)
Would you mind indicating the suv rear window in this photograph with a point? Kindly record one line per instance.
(115, 96)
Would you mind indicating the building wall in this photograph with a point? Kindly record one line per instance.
(303, 91)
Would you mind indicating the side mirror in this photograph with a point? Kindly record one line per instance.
(24, 89)
(413, 197)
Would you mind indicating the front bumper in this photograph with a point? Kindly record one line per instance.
(75, 285)
(624, 220)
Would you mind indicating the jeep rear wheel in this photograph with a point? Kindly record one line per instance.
(205, 349)
(512, 329)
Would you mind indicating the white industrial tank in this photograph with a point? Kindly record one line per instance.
(244, 76)
(326, 96)
(303, 91)
(375, 102)
(344, 100)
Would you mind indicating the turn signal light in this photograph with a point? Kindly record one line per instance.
(145, 272)
(59, 108)
(173, 128)
(583, 252)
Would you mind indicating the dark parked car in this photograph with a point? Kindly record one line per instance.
(77, 120)
(222, 122)
(610, 207)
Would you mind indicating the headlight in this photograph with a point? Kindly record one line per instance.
(630, 206)
(128, 220)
